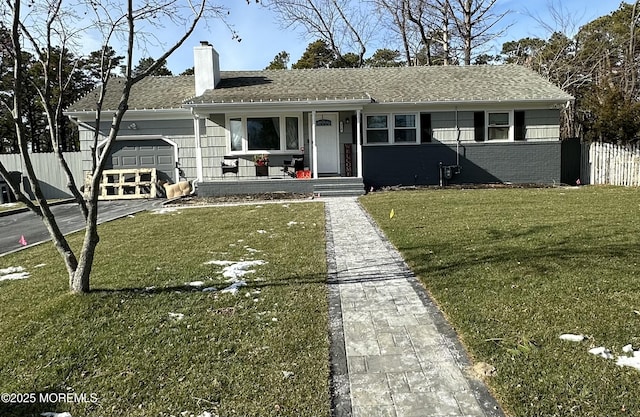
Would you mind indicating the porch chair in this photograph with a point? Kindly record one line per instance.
(297, 163)
(230, 165)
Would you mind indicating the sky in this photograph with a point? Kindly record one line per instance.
(263, 37)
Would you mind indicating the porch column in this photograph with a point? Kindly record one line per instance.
(198, 148)
(359, 142)
(314, 146)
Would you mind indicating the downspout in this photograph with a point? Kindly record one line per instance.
(198, 147)
(359, 142)
(314, 146)
(457, 141)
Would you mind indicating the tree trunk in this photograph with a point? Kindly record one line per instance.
(79, 279)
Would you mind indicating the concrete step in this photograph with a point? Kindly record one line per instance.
(338, 187)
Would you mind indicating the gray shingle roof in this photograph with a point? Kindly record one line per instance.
(403, 84)
(399, 84)
(150, 93)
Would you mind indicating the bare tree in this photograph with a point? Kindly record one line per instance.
(475, 23)
(343, 26)
(50, 24)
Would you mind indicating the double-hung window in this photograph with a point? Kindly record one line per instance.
(404, 128)
(499, 125)
(259, 134)
(378, 129)
(391, 128)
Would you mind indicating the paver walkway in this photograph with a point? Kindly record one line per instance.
(400, 361)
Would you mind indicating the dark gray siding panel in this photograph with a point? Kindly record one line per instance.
(519, 163)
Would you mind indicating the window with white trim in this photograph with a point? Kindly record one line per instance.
(498, 125)
(378, 129)
(404, 128)
(391, 128)
(265, 133)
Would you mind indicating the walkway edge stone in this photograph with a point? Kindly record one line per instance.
(340, 389)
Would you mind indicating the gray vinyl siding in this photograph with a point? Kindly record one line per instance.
(543, 125)
(540, 125)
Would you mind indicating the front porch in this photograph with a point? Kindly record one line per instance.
(330, 186)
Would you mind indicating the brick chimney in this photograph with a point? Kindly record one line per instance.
(206, 67)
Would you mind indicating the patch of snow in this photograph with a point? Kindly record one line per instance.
(240, 269)
(287, 374)
(7, 205)
(262, 232)
(233, 288)
(11, 270)
(627, 348)
(292, 223)
(285, 205)
(54, 414)
(251, 250)
(149, 288)
(209, 289)
(274, 319)
(572, 337)
(165, 210)
(601, 351)
(177, 316)
(40, 265)
(632, 361)
(219, 263)
(195, 283)
(13, 273)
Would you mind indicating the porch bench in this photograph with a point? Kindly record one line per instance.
(230, 165)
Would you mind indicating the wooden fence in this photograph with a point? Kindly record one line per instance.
(611, 164)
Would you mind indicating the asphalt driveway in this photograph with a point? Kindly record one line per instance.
(69, 217)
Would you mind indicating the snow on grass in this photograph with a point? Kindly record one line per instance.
(233, 288)
(632, 358)
(601, 351)
(13, 273)
(176, 316)
(632, 361)
(166, 210)
(572, 337)
(237, 270)
(233, 271)
(54, 414)
(195, 283)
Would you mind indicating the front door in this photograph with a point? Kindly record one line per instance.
(327, 143)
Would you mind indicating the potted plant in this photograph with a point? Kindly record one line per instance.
(261, 163)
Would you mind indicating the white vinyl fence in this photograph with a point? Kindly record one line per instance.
(53, 181)
(611, 164)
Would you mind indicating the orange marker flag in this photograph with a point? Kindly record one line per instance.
(22, 241)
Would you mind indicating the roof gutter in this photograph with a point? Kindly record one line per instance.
(278, 104)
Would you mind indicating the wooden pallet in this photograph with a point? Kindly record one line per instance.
(126, 184)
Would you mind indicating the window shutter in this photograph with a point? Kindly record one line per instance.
(519, 126)
(426, 134)
(478, 124)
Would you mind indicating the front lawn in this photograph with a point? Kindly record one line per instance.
(513, 269)
(154, 339)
